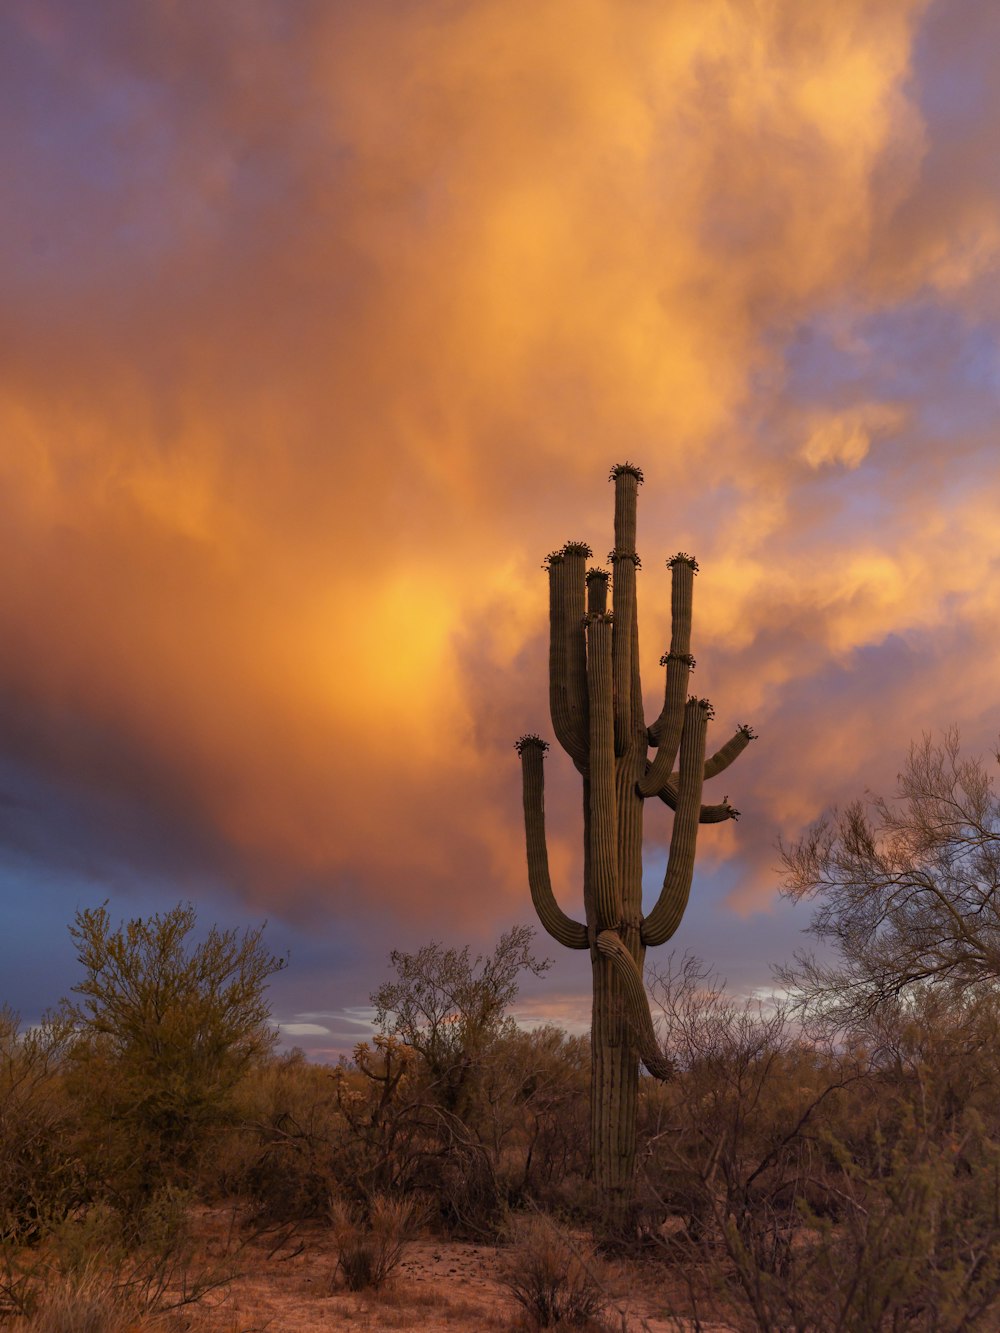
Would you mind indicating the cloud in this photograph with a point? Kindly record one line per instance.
(846, 437)
(325, 324)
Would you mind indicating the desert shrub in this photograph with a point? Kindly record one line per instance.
(370, 1240)
(399, 1139)
(916, 1248)
(165, 1031)
(531, 1112)
(738, 1131)
(555, 1277)
(460, 1183)
(822, 1187)
(40, 1175)
(84, 1301)
(450, 1009)
(283, 1156)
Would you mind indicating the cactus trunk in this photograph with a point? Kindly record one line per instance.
(596, 705)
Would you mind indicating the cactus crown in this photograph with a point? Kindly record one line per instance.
(616, 554)
(682, 558)
(597, 573)
(577, 548)
(530, 738)
(553, 558)
(703, 703)
(678, 657)
(620, 469)
(747, 731)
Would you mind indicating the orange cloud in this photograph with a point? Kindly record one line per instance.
(369, 299)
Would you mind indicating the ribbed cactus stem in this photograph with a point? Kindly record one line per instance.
(732, 750)
(683, 568)
(603, 810)
(637, 1014)
(568, 713)
(597, 592)
(575, 556)
(627, 478)
(558, 702)
(665, 917)
(625, 619)
(682, 571)
(671, 723)
(561, 927)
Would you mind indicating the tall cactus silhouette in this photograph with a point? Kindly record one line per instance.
(595, 698)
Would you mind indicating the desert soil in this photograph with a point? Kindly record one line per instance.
(438, 1288)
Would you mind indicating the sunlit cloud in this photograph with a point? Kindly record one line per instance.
(324, 325)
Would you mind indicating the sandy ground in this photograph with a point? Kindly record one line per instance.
(438, 1288)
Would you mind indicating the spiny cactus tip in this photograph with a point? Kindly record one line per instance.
(703, 703)
(577, 548)
(747, 731)
(530, 738)
(553, 558)
(682, 558)
(678, 657)
(597, 573)
(615, 554)
(625, 469)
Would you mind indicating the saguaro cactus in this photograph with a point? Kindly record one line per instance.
(595, 699)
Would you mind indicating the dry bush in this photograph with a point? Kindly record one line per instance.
(817, 1188)
(281, 1158)
(556, 1278)
(40, 1177)
(87, 1301)
(370, 1241)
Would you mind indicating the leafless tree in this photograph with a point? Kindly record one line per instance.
(907, 889)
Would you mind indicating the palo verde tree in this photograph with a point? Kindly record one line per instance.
(166, 1028)
(595, 698)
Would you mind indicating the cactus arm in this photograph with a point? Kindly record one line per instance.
(708, 814)
(731, 751)
(665, 917)
(636, 1004)
(672, 719)
(558, 701)
(575, 556)
(567, 649)
(718, 763)
(597, 591)
(683, 568)
(603, 804)
(561, 927)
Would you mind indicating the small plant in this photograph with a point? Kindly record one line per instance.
(554, 1277)
(85, 1301)
(370, 1241)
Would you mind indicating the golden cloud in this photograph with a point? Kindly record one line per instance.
(278, 478)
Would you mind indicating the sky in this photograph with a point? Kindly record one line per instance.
(322, 323)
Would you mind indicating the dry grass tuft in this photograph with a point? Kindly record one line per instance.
(370, 1244)
(86, 1301)
(556, 1278)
